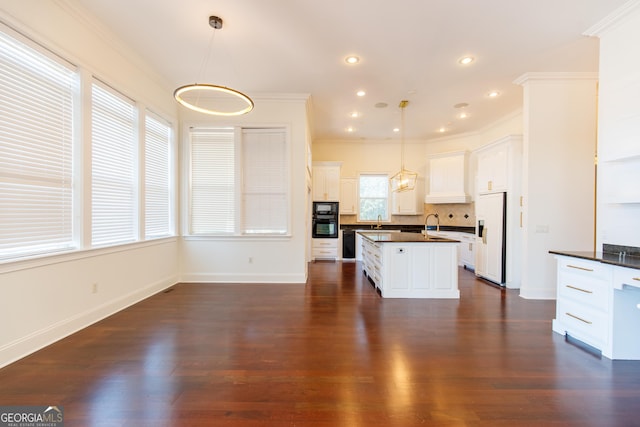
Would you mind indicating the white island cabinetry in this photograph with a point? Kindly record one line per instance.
(413, 268)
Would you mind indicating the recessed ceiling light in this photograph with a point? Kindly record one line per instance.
(361, 93)
(463, 115)
(352, 59)
(396, 129)
(493, 94)
(466, 60)
(442, 129)
(354, 115)
(351, 129)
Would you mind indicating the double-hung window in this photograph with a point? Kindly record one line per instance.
(373, 197)
(114, 171)
(157, 178)
(37, 97)
(239, 182)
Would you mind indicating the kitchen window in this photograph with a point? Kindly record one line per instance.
(239, 182)
(373, 197)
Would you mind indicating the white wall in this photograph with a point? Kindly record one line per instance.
(558, 173)
(274, 260)
(44, 300)
(619, 129)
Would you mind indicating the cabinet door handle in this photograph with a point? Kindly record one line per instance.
(637, 279)
(579, 318)
(579, 289)
(579, 268)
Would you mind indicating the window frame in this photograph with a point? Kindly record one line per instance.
(239, 228)
(170, 177)
(81, 161)
(381, 175)
(41, 180)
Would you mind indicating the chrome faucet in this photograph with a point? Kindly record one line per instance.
(426, 220)
(379, 223)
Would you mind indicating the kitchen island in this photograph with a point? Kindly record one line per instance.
(410, 265)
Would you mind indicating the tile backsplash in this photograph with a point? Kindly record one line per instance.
(458, 214)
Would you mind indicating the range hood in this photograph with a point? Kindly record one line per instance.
(448, 178)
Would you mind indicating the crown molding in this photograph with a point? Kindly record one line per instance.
(609, 21)
(527, 77)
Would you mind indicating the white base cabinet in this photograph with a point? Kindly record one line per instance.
(466, 247)
(412, 270)
(599, 304)
(324, 248)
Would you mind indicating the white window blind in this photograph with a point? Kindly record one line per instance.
(157, 176)
(114, 173)
(36, 139)
(265, 181)
(212, 189)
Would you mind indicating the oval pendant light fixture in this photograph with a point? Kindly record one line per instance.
(213, 99)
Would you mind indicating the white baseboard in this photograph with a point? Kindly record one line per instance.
(35, 341)
(243, 278)
(544, 294)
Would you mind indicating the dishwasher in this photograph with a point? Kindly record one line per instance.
(348, 244)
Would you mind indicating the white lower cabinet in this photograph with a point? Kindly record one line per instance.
(466, 247)
(415, 270)
(582, 305)
(324, 248)
(467, 250)
(599, 304)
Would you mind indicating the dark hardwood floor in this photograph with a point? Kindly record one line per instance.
(331, 353)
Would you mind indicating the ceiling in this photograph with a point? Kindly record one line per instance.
(409, 49)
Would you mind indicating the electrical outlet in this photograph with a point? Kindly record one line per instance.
(94, 288)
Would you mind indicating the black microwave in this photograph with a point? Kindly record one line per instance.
(325, 208)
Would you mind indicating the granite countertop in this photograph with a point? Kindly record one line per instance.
(613, 258)
(399, 237)
(413, 228)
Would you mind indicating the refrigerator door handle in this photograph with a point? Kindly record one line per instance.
(484, 235)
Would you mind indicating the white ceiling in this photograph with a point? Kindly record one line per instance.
(408, 49)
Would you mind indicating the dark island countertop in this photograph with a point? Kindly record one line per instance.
(399, 237)
(613, 258)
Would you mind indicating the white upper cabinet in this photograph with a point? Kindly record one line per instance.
(348, 196)
(409, 202)
(326, 181)
(492, 169)
(448, 178)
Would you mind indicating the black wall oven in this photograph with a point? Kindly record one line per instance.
(325, 220)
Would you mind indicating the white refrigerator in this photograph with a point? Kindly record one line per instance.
(491, 237)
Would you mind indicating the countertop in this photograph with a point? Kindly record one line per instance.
(413, 228)
(399, 237)
(628, 261)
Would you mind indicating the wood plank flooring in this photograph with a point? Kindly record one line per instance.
(328, 353)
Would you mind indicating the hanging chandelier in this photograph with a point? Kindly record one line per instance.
(213, 99)
(404, 180)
